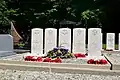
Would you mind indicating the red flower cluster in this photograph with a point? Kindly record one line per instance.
(79, 55)
(33, 58)
(40, 59)
(101, 61)
(57, 60)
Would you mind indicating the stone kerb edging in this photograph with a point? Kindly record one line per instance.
(114, 66)
(54, 65)
(28, 66)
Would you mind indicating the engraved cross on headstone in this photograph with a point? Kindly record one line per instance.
(36, 32)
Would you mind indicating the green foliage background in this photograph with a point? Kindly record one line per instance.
(45, 13)
(28, 14)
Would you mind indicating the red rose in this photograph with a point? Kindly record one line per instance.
(79, 55)
(102, 61)
(58, 60)
(47, 60)
(39, 59)
(34, 58)
(91, 61)
(28, 58)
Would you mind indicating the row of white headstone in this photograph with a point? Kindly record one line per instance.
(79, 39)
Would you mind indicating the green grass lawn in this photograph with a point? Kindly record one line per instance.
(104, 46)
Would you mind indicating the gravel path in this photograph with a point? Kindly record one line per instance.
(34, 75)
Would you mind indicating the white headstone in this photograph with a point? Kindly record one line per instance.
(110, 41)
(79, 38)
(50, 39)
(101, 40)
(37, 41)
(6, 45)
(119, 41)
(65, 37)
(94, 42)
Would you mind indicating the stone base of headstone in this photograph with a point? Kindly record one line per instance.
(6, 53)
(32, 54)
(95, 57)
(20, 51)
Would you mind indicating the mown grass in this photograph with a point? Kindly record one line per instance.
(104, 46)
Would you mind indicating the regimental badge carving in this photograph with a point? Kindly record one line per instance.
(50, 32)
(78, 32)
(36, 32)
(64, 32)
(94, 32)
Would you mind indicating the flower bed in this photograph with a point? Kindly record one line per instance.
(80, 62)
(63, 55)
(59, 60)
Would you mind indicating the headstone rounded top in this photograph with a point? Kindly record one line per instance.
(79, 28)
(111, 33)
(5, 35)
(8, 35)
(64, 28)
(95, 28)
(49, 28)
(36, 28)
